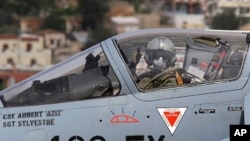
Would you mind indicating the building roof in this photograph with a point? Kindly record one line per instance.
(8, 36)
(47, 31)
(28, 37)
(17, 76)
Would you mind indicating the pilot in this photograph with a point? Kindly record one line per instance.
(156, 67)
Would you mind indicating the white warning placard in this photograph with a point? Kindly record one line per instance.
(172, 117)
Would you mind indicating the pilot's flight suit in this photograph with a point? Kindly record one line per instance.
(148, 77)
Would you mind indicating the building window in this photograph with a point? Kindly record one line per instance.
(28, 47)
(5, 47)
(33, 62)
(182, 8)
(197, 8)
(169, 7)
(58, 43)
(244, 11)
(10, 61)
(51, 41)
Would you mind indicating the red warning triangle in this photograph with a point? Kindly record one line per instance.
(172, 116)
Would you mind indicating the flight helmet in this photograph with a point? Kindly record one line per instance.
(160, 53)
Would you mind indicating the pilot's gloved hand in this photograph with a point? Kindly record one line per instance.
(188, 78)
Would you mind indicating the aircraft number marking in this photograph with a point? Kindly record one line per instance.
(100, 138)
(79, 138)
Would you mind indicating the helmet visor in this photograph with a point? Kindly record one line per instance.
(166, 56)
(156, 54)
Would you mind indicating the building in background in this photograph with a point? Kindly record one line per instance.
(122, 24)
(185, 13)
(30, 24)
(61, 46)
(24, 51)
(22, 56)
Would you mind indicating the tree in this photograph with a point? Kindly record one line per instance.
(93, 12)
(100, 33)
(136, 4)
(27, 7)
(54, 22)
(226, 20)
(8, 29)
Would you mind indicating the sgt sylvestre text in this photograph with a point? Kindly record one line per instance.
(37, 118)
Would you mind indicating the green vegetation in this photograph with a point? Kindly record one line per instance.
(27, 7)
(226, 20)
(93, 13)
(54, 22)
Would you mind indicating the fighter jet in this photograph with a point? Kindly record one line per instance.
(159, 84)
